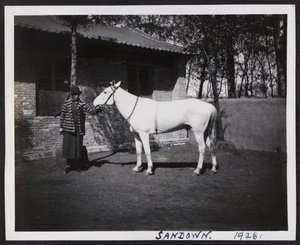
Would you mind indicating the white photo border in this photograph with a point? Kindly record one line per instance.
(11, 11)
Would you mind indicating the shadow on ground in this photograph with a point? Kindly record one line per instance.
(249, 192)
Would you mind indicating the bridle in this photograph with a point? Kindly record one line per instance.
(114, 89)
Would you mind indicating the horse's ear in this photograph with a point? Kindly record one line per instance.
(117, 84)
(112, 83)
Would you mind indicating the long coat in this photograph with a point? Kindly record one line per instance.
(72, 123)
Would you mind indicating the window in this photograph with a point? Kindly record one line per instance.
(52, 85)
(139, 80)
(53, 74)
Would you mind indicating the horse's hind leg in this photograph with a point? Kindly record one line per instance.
(138, 146)
(201, 146)
(211, 146)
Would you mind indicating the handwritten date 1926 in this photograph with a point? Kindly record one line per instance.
(240, 235)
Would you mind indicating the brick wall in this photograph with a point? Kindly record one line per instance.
(35, 137)
(38, 136)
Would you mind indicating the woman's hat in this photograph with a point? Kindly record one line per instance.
(75, 90)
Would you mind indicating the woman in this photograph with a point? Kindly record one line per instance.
(72, 126)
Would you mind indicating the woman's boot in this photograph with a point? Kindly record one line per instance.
(68, 166)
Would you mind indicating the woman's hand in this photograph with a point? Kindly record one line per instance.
(100, 109)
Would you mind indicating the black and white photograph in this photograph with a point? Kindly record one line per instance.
(154, 122)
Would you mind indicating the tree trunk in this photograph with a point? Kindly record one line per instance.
(213, 75)
(200, 92)
(247, 85)
(73, 77)
(270, 76)
(230, 70)
(251, 84)
(280, 50)
(203, 75)
(189, 76)
(241, 87)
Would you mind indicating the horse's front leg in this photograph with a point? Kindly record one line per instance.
(145, 140)
(138, 147)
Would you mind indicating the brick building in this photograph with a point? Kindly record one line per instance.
(146, 67)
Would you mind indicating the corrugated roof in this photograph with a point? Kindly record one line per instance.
(120, 35)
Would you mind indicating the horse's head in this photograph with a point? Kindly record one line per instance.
(107, 95)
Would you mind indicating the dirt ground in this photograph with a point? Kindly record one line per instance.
(247, 193)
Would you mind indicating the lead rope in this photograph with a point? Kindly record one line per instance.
(119, 124)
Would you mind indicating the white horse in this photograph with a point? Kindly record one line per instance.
(147, 116)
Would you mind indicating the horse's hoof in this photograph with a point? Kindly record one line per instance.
(137, 170)
(149, 173)
(196, 172)
(213, 172)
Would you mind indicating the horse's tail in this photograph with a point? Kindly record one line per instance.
(211, 130)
